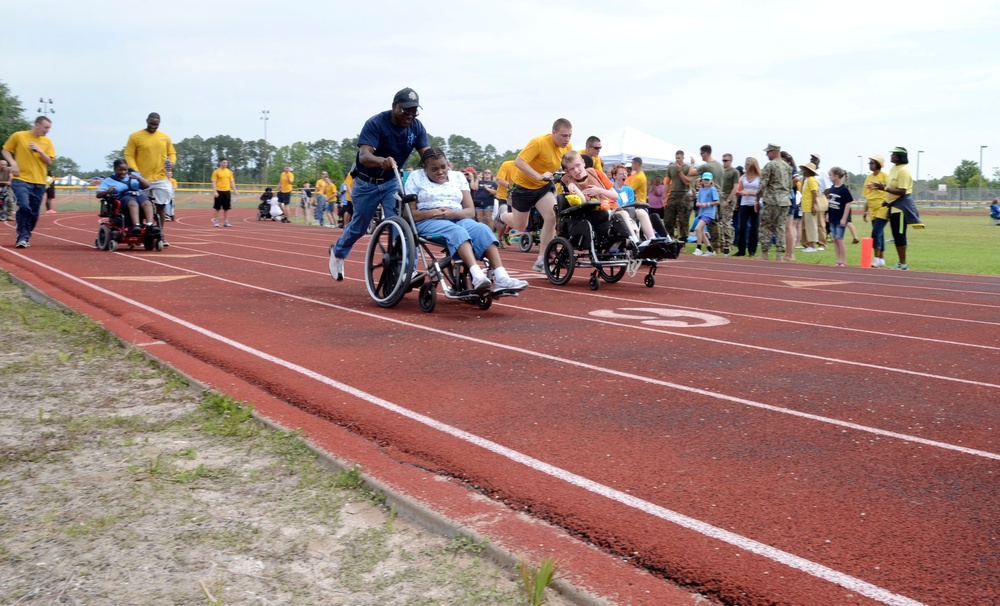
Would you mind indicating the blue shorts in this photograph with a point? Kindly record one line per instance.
(704, 219)
(837, 231)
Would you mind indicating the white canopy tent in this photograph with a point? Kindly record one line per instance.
(70, 180)
(627, 143)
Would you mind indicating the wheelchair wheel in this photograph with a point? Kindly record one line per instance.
(650, 281)
(112, 245)
(612, 274)
(484, 302)
(159, 245)
(525, 241)
(559, 261)
(389, 261)
(103, 237)
(594, 282)
(428, 296)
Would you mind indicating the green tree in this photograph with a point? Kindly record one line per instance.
(63, 166)
(965, 171)
(11, 114)
(194, 160)
(114, 155)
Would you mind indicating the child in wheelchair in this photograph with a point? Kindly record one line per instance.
(442, 208)
(125, 186)
(617, 205)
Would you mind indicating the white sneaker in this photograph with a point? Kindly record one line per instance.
(698, 253)
(215, 222)
(709, 253)
(538, 266)
(482, 283)
(336, 266)
(808, 249)
(508, 283)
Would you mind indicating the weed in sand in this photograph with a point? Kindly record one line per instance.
(537, 578)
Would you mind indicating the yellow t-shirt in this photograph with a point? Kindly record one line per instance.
(875, 197)
(146, 152)
(33, 170)
(505, 172)
(542, 155)
(809, 190)
(223, 179)
(899, 178)
(327, 189)
(286, 182)
(598, 164)
(349, 181)
(637, 181)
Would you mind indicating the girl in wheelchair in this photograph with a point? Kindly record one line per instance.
(126, 185)
(444, 208)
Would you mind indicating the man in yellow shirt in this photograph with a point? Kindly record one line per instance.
(880, 214)
(28, 154)
(150, 152)
(637, 181)
(286, 183)
(532, 185)
(593, 150)
(223, 184)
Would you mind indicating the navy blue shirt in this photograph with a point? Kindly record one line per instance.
(839, 197)
(390, 141)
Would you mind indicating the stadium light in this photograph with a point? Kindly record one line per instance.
(45, 108)
(265, 115)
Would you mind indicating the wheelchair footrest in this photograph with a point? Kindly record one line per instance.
(660, 249)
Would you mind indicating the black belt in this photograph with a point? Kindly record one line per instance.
(372, 180)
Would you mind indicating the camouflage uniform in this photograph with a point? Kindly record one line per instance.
(721, 230)
(775, 184)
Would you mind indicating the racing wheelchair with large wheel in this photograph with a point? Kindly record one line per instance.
(587, 236)
(394, 253)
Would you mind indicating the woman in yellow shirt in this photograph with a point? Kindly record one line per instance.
(903, 210)
(810, 190)
(879, 214)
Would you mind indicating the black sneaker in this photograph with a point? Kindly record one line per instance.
(136, 230)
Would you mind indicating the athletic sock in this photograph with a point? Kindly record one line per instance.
(500, 273)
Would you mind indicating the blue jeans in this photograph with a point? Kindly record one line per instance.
(458, 232)
(29, 203)
(878, 233)
(320, 206)
(366, 198)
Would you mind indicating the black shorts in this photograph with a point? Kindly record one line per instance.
(346, 208)
(523, 199)
(223, 201)
(284, 198)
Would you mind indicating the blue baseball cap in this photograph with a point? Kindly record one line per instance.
(707, 176)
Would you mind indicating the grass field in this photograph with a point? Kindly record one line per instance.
(954, 241)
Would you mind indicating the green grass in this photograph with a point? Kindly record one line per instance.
(965, 244)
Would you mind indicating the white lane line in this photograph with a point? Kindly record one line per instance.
(782, 557)
(571, 362)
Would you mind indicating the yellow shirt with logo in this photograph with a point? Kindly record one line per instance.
(33, 170)
(222, 178)
(148, 151)
(809, 190)
(285, 183)
(875, 197)
(542, 154)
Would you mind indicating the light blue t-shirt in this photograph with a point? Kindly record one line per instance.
(120, 187)
(708, 194)
(626, 195)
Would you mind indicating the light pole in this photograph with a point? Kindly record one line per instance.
(919, 151)
(45, 108)
(981, 148)
(265, 115)
(861, 166)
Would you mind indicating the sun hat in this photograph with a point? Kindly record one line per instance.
(878, 158)
(809, 166)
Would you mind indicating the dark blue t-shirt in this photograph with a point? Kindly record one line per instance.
(390, 140)
(839, 197)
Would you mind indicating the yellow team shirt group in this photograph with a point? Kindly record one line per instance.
(542, 155)
(285, 183)
(33, 170)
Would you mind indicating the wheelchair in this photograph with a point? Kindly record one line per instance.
(532, 233)
(115, 228)
(393, 255)
(589, 237)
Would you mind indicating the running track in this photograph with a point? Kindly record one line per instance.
(760, 433)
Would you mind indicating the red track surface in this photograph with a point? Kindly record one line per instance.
(762, 433)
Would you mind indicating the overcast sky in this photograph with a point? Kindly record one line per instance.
(843, 78)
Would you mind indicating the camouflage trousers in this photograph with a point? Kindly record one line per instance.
(772, 225)
(721, 229)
